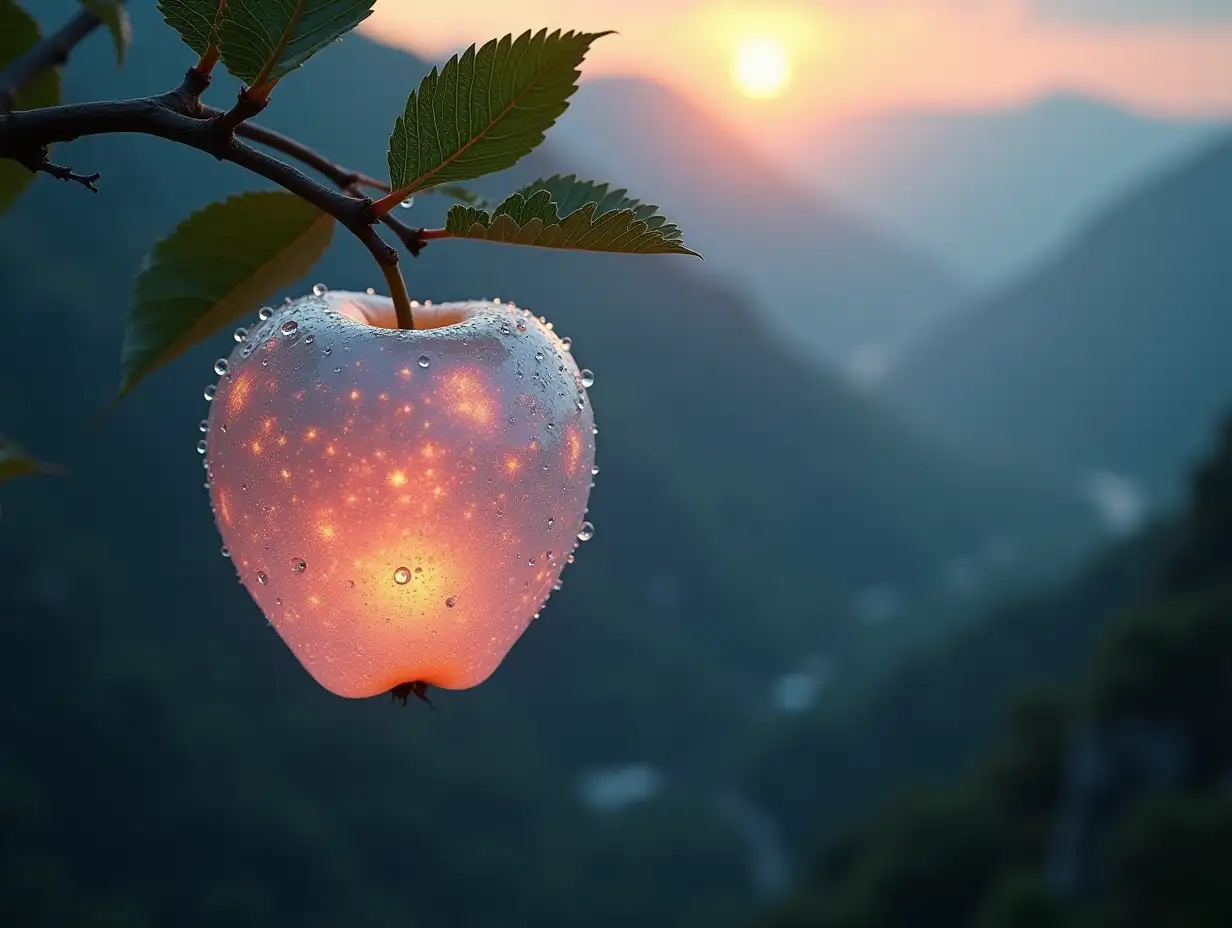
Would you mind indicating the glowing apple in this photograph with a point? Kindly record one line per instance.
(400, 504)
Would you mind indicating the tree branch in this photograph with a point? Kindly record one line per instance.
(168, 117)
(48, 53)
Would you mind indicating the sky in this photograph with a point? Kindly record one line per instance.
(846, 57)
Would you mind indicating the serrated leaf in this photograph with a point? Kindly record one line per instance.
(18, 32)
(484, 111)
(218, 265)
(571, 194)
(195, 20)
(114, 15)
(264, 40)
(535, 220)
(15, 462)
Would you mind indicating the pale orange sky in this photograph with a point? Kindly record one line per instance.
(1161, 56)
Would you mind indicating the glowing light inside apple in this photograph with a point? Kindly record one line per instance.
(761, 67)
(400, 504)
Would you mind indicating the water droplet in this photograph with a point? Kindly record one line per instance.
(220, 366)
(204, 425)
(538, 355)
(581, 403)
(586, 532)
(319, 289)
(337, 370)
(265, 312)
(504, 329)
(290, 327)
(407, 203)
(262, 578)
(240, 334)
(402, 576)
(451, 601)
(566, 343)
(350, 584)
(277, 600)
(209, 393)
(521, 326)
(594, 471)
(225, 552)
(371, 291)
(535, 616)
(531, 561)
(423, 360)
(201, 446)
(309, 338)
(419, 570)
(557, 586)
(327, 351)
(570, 559)
(551, 522)
(588, 378)
(298, 565)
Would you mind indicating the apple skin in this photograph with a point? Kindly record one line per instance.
(399, 504)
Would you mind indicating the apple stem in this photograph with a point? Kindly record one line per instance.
(397, 291)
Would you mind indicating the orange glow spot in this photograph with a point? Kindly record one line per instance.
(573, 451)
(224, 506)
(327, 532)
(437, 491)
(329, 449)
(467, 396)
(397, 479)
(267, 426)
(405, 373)
(354, 394)
(286, 474)
(384, 397)
(310, 435)
(428, 451)
(512, 464)
(241, 389)
(256, 447)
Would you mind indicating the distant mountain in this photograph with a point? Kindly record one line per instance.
(831, 285)
(1112, 357)
(990, 193)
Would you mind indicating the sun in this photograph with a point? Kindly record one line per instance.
(761, 67)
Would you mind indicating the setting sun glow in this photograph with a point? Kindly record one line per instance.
(761, 68)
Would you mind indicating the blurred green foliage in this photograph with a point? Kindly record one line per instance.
(1101, 805)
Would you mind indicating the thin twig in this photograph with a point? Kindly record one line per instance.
(48, 53)
(284, 144)
(61, 172)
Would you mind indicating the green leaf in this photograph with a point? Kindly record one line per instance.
(572, 194)
(264, 40)
(484, 111)
(18, 32)
(218, 265)
(14, 462)
(536, 220)
(114, 15)
(195, 20)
